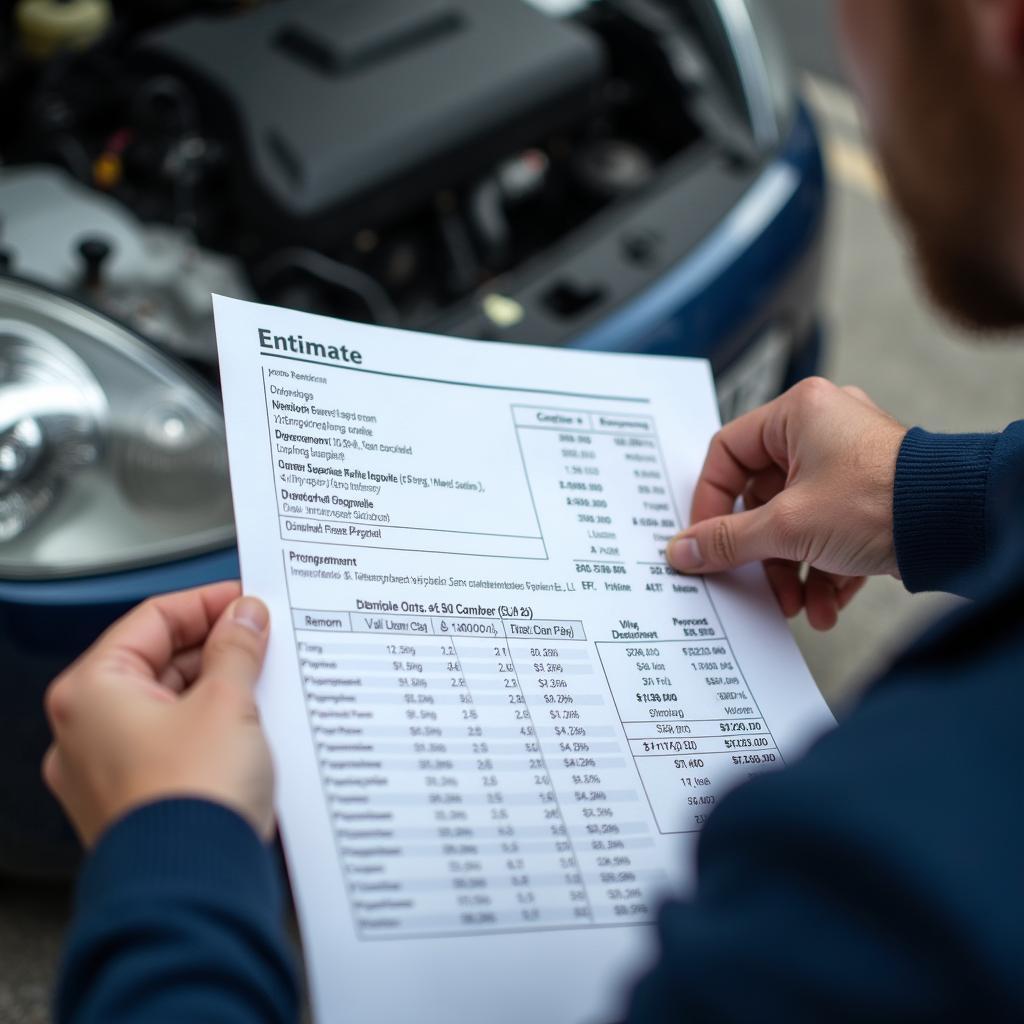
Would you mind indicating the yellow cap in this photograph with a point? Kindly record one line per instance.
(107, 170)
(502, 311)
(47, 26)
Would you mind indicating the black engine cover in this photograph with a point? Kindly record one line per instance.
(343, 113)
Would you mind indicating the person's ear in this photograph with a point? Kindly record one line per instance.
(998, 27)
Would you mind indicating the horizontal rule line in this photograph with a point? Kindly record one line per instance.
(458, 383)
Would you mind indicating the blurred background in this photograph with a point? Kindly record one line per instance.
(881, 334)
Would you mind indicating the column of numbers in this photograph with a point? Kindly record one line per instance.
(531, 852)
(594, 780)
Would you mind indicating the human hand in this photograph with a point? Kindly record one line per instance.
(162, 706)
(815, 469)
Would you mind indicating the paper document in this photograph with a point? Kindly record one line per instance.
(499, 720)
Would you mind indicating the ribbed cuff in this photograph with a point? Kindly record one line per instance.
(939, 508)
(181, 845)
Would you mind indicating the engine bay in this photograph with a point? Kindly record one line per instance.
(388, 161)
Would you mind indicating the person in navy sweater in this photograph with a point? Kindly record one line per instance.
(878, 879)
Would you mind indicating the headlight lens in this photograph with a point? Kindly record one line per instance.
(111, 455)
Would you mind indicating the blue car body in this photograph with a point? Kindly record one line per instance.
(757, 267)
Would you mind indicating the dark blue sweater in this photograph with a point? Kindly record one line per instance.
(881, 878)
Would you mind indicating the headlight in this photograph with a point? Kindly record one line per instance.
(111, 455)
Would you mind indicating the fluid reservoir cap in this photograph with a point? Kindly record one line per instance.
(503, 311)
(46, 27)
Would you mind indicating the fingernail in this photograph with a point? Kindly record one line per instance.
(251, 613)
(684, 554)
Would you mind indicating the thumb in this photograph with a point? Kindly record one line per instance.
(725, 542)
(233, 652)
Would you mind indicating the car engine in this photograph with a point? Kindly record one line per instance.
(398, 162)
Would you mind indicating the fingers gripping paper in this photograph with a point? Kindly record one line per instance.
(499, 720)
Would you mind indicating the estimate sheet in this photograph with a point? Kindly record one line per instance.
(499, 720)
